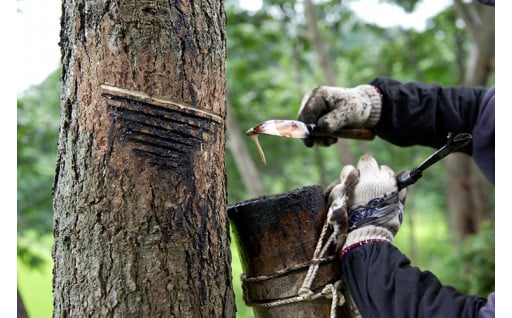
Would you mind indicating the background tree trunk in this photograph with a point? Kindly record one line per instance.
(329, 71)
(21, 312)
(245, 164)
(140, 220)
(467, 190)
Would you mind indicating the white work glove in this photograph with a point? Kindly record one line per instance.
(366, 200)
(332, 108)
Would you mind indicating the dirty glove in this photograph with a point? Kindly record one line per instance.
(368, 196)
(332, 108)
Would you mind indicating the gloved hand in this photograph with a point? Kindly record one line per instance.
(332, 108)
(369, 198)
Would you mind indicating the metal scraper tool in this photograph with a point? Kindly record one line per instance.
(298, 129)
(453, 144)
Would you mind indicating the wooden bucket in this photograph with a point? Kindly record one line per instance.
(276, 238)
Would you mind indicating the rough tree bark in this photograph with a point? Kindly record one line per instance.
(467, 190)
(140, 220)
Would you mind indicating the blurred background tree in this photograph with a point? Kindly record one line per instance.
(38, 128)
(272, 62)
(37, 134)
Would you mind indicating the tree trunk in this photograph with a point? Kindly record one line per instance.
(468, 196)
(140, 220)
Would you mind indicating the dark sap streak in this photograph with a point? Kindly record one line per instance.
(137, 125)
(157, 155)
(159, 139)
(169, 148)
(142, 116)
(163, 162)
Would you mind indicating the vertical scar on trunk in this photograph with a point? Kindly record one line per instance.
(164, 131)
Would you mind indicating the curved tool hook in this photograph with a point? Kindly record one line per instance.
(453, 144)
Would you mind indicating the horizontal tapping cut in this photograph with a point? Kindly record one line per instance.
(163, 162)
(164, 148)
(150, 112)
(167, 104)
(167, 136)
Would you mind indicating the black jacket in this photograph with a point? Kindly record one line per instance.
(383, 283)
(424, 114)
(379, 277)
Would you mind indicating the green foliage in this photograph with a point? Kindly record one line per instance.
(37, 134)
(470, 266)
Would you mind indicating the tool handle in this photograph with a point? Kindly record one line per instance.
(352, 133)
(355, 133)
(407, 178)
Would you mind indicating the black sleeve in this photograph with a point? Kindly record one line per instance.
(384, 284)
(423, 114)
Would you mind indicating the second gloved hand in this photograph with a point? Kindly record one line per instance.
(369, 197)
(332, 108)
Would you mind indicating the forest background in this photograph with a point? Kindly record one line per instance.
(272, 62)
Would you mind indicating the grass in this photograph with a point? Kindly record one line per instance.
(242, 311)
(35, 284)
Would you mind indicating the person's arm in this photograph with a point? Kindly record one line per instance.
(405, 114)
(423, 114)
(380, 279)
(383, 283)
